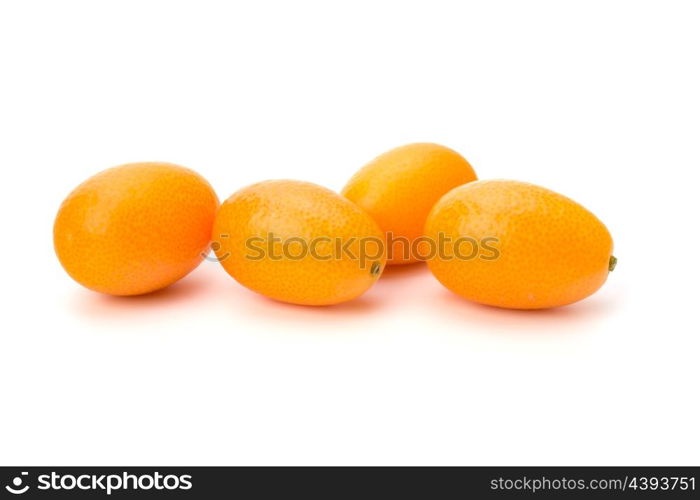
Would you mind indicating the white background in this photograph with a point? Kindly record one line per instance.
(597, 100)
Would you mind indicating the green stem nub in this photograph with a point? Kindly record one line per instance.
(375, 269)
(612, 263)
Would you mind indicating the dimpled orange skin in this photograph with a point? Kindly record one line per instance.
(293, 209)
(135, 228)
(399, 188)
(552, 250)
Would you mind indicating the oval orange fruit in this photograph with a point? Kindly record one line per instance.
(135, 228)
(516, 245)
(399, 188)
(298, 242)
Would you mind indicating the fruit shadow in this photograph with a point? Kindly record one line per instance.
(407, 288)
(403, 272)
(337, 314)
(92, 305)
(372, 303)
(413, 287)
(571, 319)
